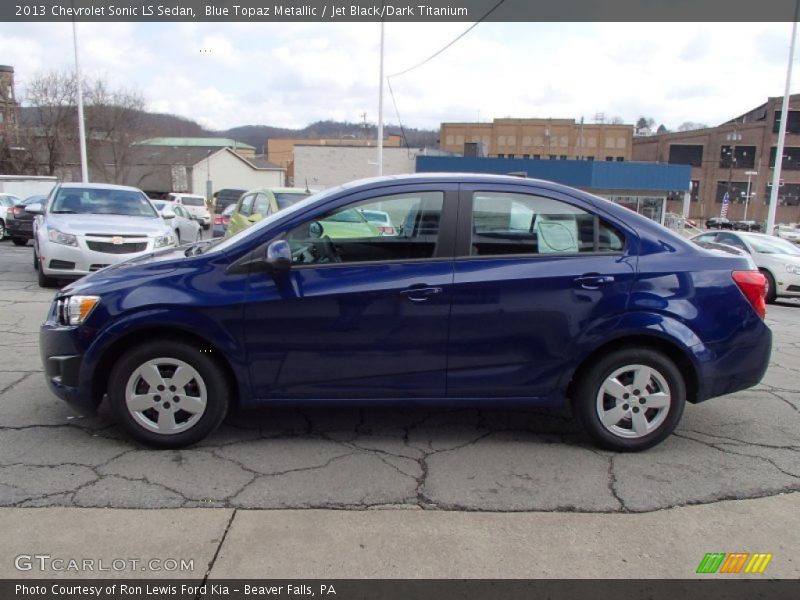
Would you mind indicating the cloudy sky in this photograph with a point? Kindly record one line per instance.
(228, 74)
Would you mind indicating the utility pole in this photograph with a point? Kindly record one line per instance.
(380, 112)
(81, 124)
(776, 174)
(747, 197)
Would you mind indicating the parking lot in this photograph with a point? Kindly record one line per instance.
(746, 445)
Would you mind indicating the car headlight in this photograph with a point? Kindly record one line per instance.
(59, 237)
(74, 310)
(794, 269)
(165, 240)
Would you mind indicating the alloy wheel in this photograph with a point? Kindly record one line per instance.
(633, 401)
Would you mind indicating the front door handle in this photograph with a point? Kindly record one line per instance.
(420, 294)
(593, 281)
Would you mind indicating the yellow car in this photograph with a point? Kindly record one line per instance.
(257, 204)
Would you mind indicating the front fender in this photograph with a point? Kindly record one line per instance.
(147, 323)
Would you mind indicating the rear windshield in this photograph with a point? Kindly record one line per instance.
(100, 201)
(190, 201)
(285, 200)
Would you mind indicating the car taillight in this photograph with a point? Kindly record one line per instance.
(217, 220)
(385, 230)
(754, 287)
(18, 210)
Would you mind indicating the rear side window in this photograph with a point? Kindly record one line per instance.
(518, 224)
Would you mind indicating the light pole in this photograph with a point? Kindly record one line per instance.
(747, 197)
(81, 124)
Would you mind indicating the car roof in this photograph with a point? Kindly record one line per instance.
(280, 190)
(98, 186)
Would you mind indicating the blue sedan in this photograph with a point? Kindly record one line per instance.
(495, 291)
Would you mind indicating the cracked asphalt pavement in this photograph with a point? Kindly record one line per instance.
(745, 445)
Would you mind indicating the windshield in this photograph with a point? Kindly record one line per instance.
(257, 228)
(102, 201)
(190, 201)
(773, 246)
(159, 204)
(286, 199)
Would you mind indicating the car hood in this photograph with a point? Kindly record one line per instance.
(82, 224)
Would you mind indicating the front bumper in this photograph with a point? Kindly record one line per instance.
(787, 284)
(58, 260)
(61, 350)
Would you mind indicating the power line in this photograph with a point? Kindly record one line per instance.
(438, 52)
(427, 60)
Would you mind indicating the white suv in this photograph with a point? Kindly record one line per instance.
(196, 205)
(83, 227)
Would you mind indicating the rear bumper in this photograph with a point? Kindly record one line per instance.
(19, 229)
(725, 370)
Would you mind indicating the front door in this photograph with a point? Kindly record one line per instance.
(360, 314)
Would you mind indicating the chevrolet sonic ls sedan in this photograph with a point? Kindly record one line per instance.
(495, 291)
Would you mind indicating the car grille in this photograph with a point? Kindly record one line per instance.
(109, 248)
(793, 288)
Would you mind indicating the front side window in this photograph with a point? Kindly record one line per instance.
(510, 223)
(346, 235)
(246, 207)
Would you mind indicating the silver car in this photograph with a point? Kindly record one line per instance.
(185, 225)
(83, 227)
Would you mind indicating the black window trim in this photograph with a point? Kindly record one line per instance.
(464, 234)
(443, 251)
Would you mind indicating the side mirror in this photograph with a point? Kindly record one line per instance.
(35, 208)
(168, 213)
(279, 256)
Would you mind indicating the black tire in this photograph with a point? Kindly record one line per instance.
(3, 231)
(207, 227)
(772, 291)
(177, 237)
(18, 241)
(209, 370)
(35, 260)
(587, 386)
(44, 280)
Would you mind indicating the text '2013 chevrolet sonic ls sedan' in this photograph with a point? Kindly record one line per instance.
(495, 291)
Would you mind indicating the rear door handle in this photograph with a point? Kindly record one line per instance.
(420, 294)
(593, 282)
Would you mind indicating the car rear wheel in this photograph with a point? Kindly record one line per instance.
(772, 292)
(631, 399)
(2, 230)
(18, 241)
(168, 394)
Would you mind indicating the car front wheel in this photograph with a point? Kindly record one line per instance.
(772, 292)
(631, 399)
(18, 241)
(168, 394)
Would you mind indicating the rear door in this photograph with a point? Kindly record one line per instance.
(533, 270)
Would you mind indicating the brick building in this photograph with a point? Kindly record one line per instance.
(554, 139)
(722, 157)
(8, 102)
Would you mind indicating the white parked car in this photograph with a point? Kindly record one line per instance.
(83, 227)
(196, 205)
(185, 226)
(381, 220)
(778, 259)
(7, 201)
(788, 232)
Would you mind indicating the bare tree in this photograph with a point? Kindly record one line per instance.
(115, 121)
(51, 128)
(690, 126)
